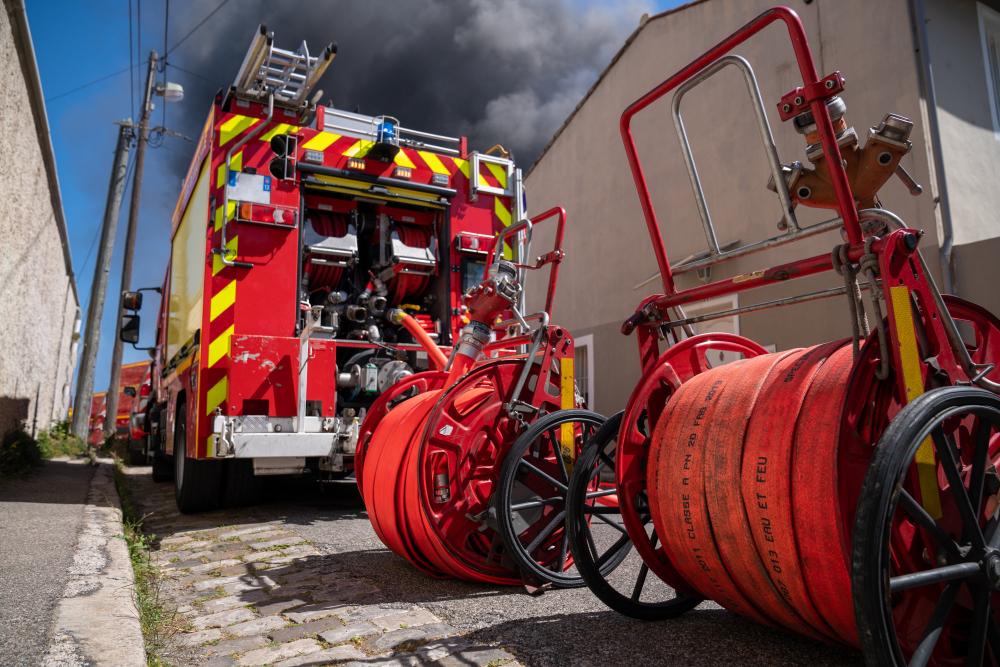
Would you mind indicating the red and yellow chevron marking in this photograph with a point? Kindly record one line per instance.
(221, 322)
(234, 126)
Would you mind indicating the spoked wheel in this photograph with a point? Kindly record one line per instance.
(530, 503)
(601, 547)
(926, 550)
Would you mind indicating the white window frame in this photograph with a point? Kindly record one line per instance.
(588, 343)
(989, 22)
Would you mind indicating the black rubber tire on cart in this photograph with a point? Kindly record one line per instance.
(197, 484)
(526, 492)
(960, 567)
(595, 568)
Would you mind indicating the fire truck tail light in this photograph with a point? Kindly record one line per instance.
(267, 215)
(355, 163)
(439, 179)
(402, 172)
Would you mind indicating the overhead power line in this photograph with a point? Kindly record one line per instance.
(89, 84)
(195, 28)
(166, 26)
(131, 60)
(194, 74)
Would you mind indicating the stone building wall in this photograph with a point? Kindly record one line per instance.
(39, 307)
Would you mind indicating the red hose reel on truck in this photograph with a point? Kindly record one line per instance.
(431, 449)
(847, 491)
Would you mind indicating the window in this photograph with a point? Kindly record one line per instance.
(583, 368)
(730, 324)
(989, 32)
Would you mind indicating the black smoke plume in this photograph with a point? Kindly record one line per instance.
(499, 71)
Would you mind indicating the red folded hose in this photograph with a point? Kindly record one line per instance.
(742, 494)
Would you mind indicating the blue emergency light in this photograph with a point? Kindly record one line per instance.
(387, 132)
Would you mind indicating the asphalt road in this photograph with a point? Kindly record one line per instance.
(40, 519)
(561, 627)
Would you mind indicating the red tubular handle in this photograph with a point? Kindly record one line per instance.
(559, 213)
(803, 56)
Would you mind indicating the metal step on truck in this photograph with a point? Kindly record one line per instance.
(315, 256)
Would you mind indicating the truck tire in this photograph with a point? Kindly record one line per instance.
(240, 487)
(197, 484)
(163, 467)
(136, 452)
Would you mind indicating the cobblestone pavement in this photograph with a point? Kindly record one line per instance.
(253, 592)
(302, 579)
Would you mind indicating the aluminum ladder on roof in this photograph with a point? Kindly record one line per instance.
(289, 75)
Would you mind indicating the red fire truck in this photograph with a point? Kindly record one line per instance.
(132, 378)
(98, 411)
(311, 249)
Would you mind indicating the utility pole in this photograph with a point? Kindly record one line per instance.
(99, 287)
(142, 138)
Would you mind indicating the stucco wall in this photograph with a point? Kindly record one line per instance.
(585, 168)
(970, 142)
(38, 306)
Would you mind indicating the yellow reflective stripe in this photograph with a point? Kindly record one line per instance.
(321, 141)
(217, 395)
(434, 162)
(217, 263)
(501, 211)
(499, 173)
(219, 347)
(362, 187)
(463, 165)
(567, 396)
(210, 447)
(359, 148)
(234, 126)
(403, 160)
(231, 213)
(280, 128)
(236, 164)
(222, 300)
(909, 358)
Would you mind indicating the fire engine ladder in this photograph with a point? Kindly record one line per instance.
(289, 75)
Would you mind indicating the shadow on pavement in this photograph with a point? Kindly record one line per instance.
(54, 481)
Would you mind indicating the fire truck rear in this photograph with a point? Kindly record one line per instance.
(311, 248)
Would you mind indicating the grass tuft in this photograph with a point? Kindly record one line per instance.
(58, 441)
(158, 621)
(20, 453)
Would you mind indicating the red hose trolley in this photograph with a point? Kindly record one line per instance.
(462, 468)
(847, 491)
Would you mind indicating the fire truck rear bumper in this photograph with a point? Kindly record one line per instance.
(254, 437)
(262, 445)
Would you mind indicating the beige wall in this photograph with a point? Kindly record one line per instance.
(38, 306)
(585, 169)
(970, 142)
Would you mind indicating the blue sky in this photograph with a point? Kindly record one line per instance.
(79, 42)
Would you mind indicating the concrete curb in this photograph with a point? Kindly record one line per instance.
(96, 622)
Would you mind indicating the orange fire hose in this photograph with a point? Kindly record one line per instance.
(434, 353)
(741, 493)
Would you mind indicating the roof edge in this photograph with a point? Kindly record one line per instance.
(614, 59)
(21, 32)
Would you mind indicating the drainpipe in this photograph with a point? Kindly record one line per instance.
(918, 16)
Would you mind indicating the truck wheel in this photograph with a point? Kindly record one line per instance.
(163, 467)
(197, 484)
(240, 486)
(136, 453)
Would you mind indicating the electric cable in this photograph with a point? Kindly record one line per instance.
(195, 28)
